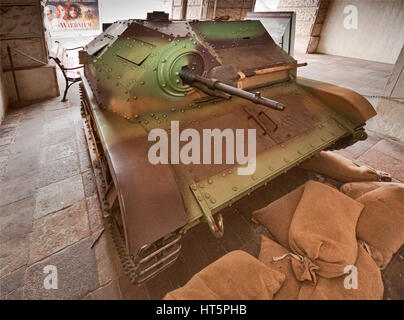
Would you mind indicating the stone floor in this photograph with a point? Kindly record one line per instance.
(365, 77)
(49, 211)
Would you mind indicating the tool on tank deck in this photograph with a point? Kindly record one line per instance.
(137, 77)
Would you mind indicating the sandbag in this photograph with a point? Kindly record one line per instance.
(369, 283)
(381, 224)
(270, 250)
(323, 232)
(235, 276)
(342, 169)
(356, 189)
(376, 255)
(277, 216)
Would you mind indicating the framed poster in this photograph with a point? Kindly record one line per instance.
(73, 15)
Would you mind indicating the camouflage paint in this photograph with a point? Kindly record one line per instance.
(137, 77)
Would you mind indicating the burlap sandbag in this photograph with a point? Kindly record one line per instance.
(270, 250)
(356, 189)
(323, 232)
(235, 276)
(342, 169)
(277, 216)
(369, 283)
(381, 224)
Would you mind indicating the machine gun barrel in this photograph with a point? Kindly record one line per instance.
(213, 85)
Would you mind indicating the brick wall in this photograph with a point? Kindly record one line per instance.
(310, 15)
(204, 9)
(235, 9)
(3, 95)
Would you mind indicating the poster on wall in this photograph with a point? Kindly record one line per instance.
(73, 15)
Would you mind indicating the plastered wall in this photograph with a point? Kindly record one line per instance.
(379, 35)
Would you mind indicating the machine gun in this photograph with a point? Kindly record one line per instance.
(216, 88)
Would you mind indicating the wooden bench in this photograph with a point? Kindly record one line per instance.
(66, 64)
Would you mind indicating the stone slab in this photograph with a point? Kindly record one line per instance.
(16, 219)
(56, 231)
(58, 196)
(76, 273)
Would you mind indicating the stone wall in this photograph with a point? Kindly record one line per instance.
(22, 28)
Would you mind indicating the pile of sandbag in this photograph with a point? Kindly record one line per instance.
(235, 276)
(331, 244)
(342, 169)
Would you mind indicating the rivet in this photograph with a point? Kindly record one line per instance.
(193, 187)
(229, 172)
(212, 200)
(210, 181)
(223, 174)
(207, 195)
(235, 188)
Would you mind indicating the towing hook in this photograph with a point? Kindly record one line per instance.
(216, 227)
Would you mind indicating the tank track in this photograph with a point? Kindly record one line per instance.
(151, 259)
(149, 264)
(345, 142)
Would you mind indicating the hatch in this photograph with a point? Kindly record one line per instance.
(135, 51)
